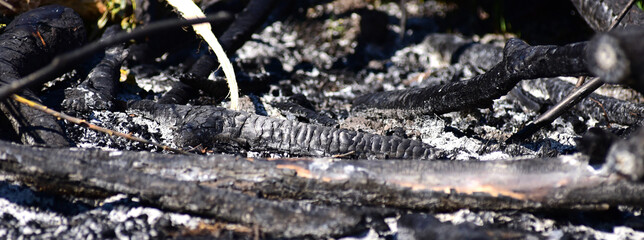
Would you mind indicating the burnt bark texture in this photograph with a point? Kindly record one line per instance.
(92, 172)
(223, 129)
(98, 91)
(600, 14)
(616, 111)
(29, 42)
(616, 56)
(301, 112)
(243, 190)
(520, 61)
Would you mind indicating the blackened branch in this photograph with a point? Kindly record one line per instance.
(600, 15)
(99, 90)
(28, 43)
(520, 61)
(219, 128)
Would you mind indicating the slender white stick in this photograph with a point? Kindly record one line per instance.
(190, 10)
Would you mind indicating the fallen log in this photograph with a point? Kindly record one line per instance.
(74, 175)
(529, 184)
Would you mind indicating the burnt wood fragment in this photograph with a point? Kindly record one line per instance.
(308, 115)
(616, 56)
(601, 14)
(219, 128)
(617, 111)
(626, 157)
(520, 61)
(28, 43)
(98, 91)
(68, 60)
(179, 94)
(89, 171)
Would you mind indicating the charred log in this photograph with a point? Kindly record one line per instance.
(520, 61)
(616, 56)
(28, 43)
(219, 128)
(277, 219)
(99, 90)
(164, 180)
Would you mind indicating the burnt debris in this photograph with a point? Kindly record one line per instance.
(28, 43)
(361, 120)
(520, 61)
(219, 128)
(98, 91)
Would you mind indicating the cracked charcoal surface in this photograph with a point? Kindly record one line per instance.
(217, 128)
(325, 58)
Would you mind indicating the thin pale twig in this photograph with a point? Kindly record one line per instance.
(84, 123)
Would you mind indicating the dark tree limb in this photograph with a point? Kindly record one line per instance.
(28, 43)
(219, 128)
(615, 57)
(520, 61)
(601, 14)
(99, 90)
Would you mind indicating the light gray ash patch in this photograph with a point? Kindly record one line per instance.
(126, 123)
(547, 226)
(28, 214)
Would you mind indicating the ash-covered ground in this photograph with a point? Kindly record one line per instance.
(322, 58)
